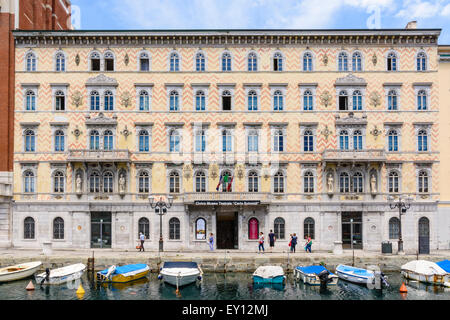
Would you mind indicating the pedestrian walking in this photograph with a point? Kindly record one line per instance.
(272, 239)
(293, 242)
(211, 241)
(261, 242)
(308, 244)
(142, 238)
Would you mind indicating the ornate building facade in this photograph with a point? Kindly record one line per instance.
(306, 132)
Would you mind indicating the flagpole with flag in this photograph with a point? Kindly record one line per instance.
(229, 184)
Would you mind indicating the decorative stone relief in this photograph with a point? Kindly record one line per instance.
(375, 99)
(325, 59)
(125, 132)
(77, 59)
(325, 98)
(214, 171)
(375, 132)
(122, 183)
(126, 99)
(240, 172)
(187, 172)
(126, 59)
(77, 132)
(326, 132)
(374, 59)
(77, 99)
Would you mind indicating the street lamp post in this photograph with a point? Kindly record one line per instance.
(403, 205)
(160, 209)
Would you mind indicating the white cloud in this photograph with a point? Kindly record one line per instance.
(446, 11)
(418, 9)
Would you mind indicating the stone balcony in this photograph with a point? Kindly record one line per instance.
(262, 197)
(110, 156)
(366, 155)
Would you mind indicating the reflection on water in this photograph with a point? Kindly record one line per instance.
(231, 286)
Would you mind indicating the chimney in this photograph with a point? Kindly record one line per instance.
(411, 25)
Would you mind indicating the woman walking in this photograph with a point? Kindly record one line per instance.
(211, 241)
(261, 242)
(308, 244)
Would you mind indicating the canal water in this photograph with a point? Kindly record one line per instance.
(214, 286)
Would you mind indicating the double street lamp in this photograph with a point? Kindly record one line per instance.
(403, 204)
(160, 207)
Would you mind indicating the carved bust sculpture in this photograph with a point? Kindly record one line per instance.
(330, 183)
(373, 184)
(78, 184)
(122, 183)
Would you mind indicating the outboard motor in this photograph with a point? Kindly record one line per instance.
(384, 279)
(380, 278)
(47, 276)
(324, 279)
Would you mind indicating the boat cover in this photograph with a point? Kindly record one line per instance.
(444, 265)
(424, 267)
(355, 271)
(180, 264)
(128, 270)
(312, 269)
(268, 272)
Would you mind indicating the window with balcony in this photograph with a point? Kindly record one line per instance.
(200, 182)
(357, 140)
(357, 100)
(343, 100)
(344, 182)
(59, 141)
(108, 140)
(94, 140)
(308, 182)
(343, 140)
(109, 101)
(95, 101)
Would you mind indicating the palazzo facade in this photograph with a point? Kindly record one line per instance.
(315, 130)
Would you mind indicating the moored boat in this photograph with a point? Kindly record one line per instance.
(312, 275)
(19, 271)
(426, 272)
(61, 275)
(179, 273)
(359, 275)
(123, 274)
(269, 274)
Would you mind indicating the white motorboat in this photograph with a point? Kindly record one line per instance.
(312, 275)
(359, 275)
(180, 273)
(269, 274)
(19, 271)
(427, 272)
(61, 275)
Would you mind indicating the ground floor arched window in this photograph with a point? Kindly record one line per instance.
(394, 228)
(174, 229)
(279, 227)
(144, 227)
(308, 228)
(58, 228)
(200, 229)
(28, 228)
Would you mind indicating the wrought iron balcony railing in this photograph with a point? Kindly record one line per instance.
(99, 156)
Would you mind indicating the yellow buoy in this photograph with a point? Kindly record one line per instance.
(80, 290)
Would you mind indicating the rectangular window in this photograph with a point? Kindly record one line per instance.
(109, 64)
(343, 103)
(95, 64)
(226, 103)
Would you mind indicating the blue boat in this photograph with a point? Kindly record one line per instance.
(310, 275)
(269, 274)
(123, 274)
(358, 275)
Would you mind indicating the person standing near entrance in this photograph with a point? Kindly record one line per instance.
(293, 242)
(272, 239)
(142, 238)
(211, 241)
(308, 244)
(261, 242)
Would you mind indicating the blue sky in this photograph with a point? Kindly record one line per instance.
(262, 14)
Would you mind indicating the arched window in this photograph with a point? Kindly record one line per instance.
(278, 101)
(421, 61)
(200, 62)
(200, 229)
(308, 182)
(200, 141)
(393, 182)
(144, 60)
(356, 62)
(95, 61)
(30, 141)
(308, 100)
(200, 182)
(278, 182)
(95, 101)
(174, 182)
(108, 182)
(144, 227)
(307, 62)
(58, 229)
(60, 62)
(357, 186)
(422, 100)
(94, 140)
(342, 62)
(58, 182)
(200, 101)
(29, 182)
(308, 228)
(392, 100)
(144, 141)
(392, 62)
(226, 62)
(308, 141)
(252, 101)
(59, 141)
(343, 140)
(174, 101)
(174, 141)
(423, 182)
(277, 62)
(279, 227)
(252, 62)
(226, 181)
(109, 61)
(253, 229)
(253, 182)
(60, 101)
(393, 140)
(357, 140)
(394, 228)
(226, 100)
(144, 182)
(343, 100)
(94, 182)
(252, 141)
(174, 62)
(109, 101)
(28, 228)
(108, 140)
(30, 101)
(174, 229)
(422, 138)
(357, 100)
(278, 141)
(344, 182)
(144, 101)
(31, 62)
(227, 141)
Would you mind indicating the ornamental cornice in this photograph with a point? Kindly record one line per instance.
(350, 80)
(102, 80)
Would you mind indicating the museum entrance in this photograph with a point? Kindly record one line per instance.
(227, 230)
(101, 230)
(352, 228)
